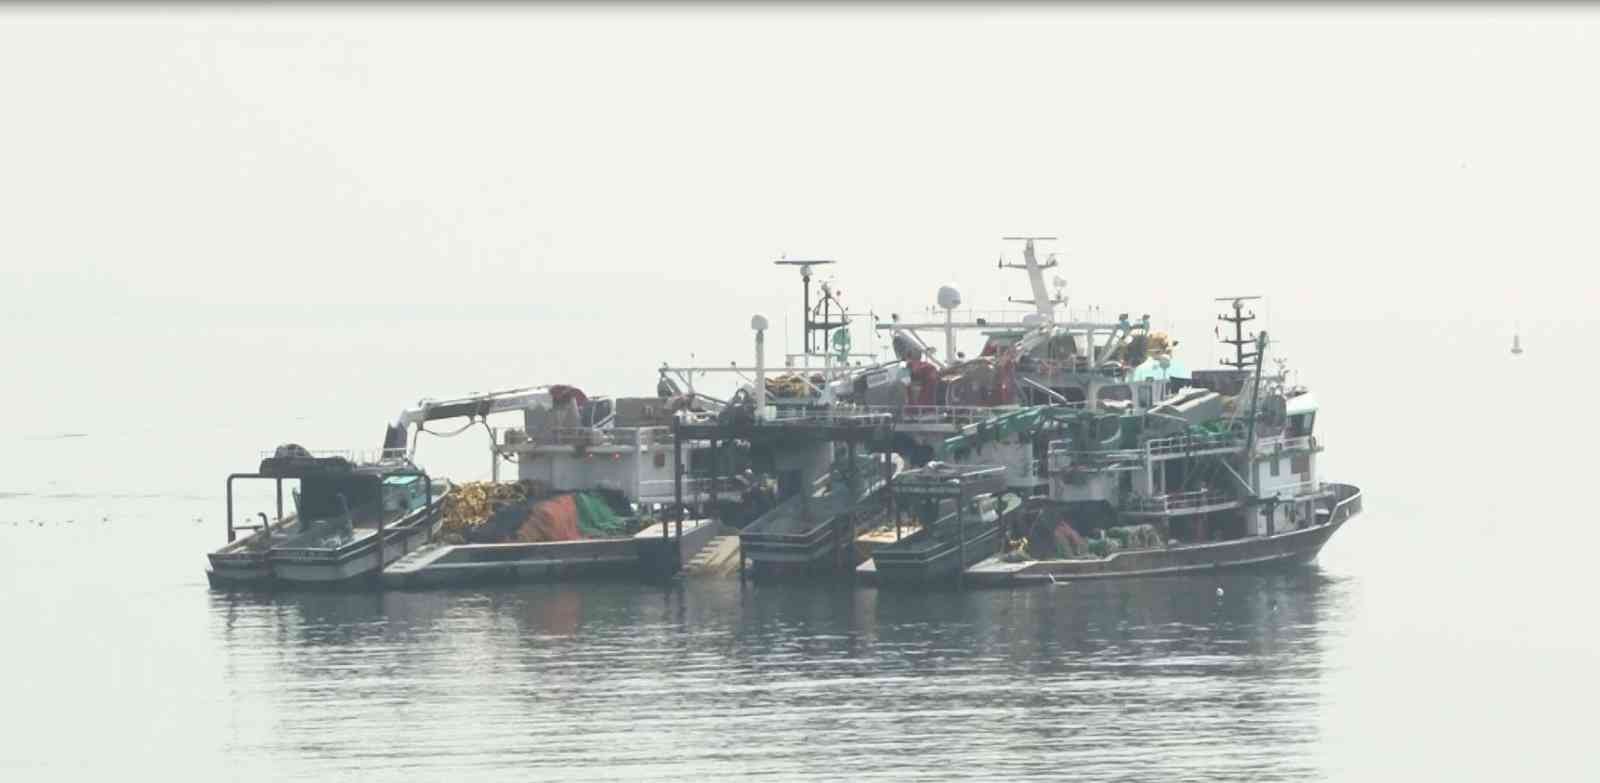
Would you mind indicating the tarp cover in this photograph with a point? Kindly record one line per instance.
(555, 519)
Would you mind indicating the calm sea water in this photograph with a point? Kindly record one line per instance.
(1445, 634)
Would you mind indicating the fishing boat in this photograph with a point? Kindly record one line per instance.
(963, 513)
(351, 517)
(811, 530)
(1098, 417)
(1142, 465)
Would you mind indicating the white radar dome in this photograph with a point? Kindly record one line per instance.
(949, 297)
(758, 322)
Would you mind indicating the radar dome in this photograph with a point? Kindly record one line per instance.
(1032, 320)
(949, 297)
(758, 322)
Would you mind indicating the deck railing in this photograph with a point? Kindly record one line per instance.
(835, 415)
(1177, 501)
(357, 456)
(1279, 442)
(954, 415)
(1182, 444)
(586, 436)
(1296, 490)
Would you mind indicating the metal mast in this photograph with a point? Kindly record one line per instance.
(1242, 359)
(1041, 301)
(807, 324)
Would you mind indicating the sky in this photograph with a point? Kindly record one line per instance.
(204, 197)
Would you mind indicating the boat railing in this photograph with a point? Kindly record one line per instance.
(697, 488)
(1183, 444)
(587, 436)
(834, 415)
(955, 415)
(1286, 443)
(356, 456)
(1299, 489)
(1175, 501)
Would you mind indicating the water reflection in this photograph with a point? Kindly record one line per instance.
(1152, 677)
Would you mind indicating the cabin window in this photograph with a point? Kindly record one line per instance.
(1301, 463)
(1144, 396)
(1119, 393)
(661, 459)
(1274, 467)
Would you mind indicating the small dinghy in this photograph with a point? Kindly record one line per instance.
(351, 519)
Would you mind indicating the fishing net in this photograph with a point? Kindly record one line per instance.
(596, 519)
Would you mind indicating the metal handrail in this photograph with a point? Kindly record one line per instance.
(1180, 500)
(1286, 443)
(959, 415)
(1185, 443)
(586, 436)
(359, 456)
(1291, 491)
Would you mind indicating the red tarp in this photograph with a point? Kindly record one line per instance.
(555, 519)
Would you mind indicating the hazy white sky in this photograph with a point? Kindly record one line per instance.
(181, 173)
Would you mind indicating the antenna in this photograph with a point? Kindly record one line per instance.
(1241, 358)
(806, 324)
(1042, 302)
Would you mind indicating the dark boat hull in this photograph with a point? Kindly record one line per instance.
(943, 565)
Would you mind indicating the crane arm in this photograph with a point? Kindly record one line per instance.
(477, 406)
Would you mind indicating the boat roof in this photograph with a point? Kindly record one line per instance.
(944, 479)
(333, 468)
(1301, 403)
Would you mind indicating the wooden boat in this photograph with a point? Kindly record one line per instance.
(351, 519)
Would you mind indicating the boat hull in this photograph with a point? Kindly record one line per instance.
(357, 563)
(943, 565)
(242, 564)
(1296, 546)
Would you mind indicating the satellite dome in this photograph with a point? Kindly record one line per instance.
(949, 297)
(758, 322)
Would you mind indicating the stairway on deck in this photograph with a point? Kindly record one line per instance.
(718, 558)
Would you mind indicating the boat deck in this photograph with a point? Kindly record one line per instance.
(444, 565)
